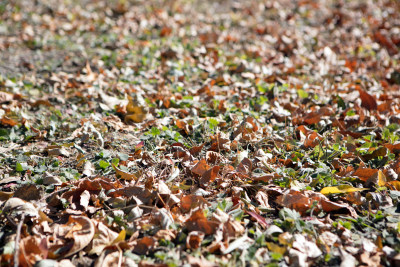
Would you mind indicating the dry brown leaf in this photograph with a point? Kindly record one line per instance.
(143, 245)
(201, 167)
(194, 239)
(209, 176)
(18, 206)
(79, 229)
(367, 100)
(124, 175)
(190, 202)
(6, 121)
(199, 222)
(143, 194)
(365, 173)
(32, 249)
(104, 236)
(377, 179)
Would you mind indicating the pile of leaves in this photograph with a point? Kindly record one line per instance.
(199, 133)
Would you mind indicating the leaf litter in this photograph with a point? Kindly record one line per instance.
(199, 133)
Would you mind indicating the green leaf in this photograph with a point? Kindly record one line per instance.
(21, 166)
(155, 131)
(103, 164)
(115, 161)
(302, 93)
(213, 123)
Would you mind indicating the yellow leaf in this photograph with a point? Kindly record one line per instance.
(378, 179)
(340, 189)
(395, 184)
(135, 112)
(124, 175)
(381, 179)
(121, 237)
(276, 248)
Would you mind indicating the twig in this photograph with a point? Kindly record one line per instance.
(17, 238)
(54, 192)
(119, 256)
(129, 206)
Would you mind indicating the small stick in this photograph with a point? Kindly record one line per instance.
(17, 238)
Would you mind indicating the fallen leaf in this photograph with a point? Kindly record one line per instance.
(18, 207)
(143, 245)
(261, 220)
(307, 247)
(103, 237)
(367, 100)
(209, 176)
(80, 230)
(378, 179)
(194, 239)
(395, 185)
(6, 121)
(135, 111)
(124, 175)
(199, 222)
(241, 243)
(341, 189)
(190, 202)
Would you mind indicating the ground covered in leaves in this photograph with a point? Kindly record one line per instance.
(199, 133)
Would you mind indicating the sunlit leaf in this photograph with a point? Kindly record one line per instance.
(124, 175)
(340, 189)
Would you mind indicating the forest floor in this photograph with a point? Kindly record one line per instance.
(199, 133)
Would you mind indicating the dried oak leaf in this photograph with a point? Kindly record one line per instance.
(195, 150)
